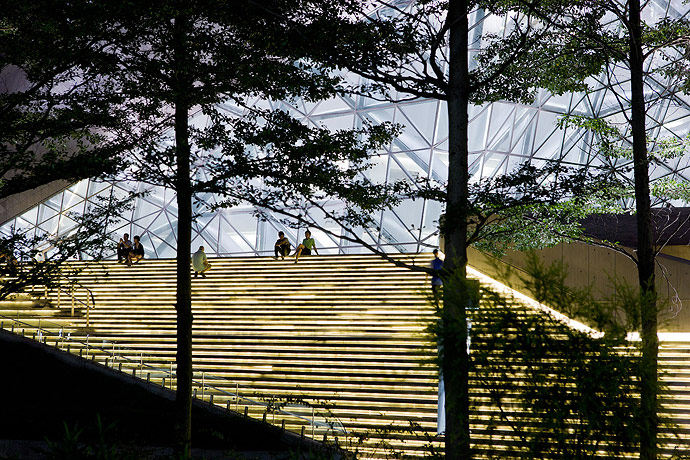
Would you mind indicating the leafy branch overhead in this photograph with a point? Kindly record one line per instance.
(293, 162)
(614, 149)
(532, 207)
(54, 109)
(196, 88)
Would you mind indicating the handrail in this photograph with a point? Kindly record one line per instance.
(71, 293)
(203, 385)
(330, 425)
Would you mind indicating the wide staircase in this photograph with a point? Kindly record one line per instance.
(333, 348)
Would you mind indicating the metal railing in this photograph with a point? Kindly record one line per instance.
(71, 291)
(116, 355)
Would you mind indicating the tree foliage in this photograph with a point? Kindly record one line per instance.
(53, 107)
(166, 61)
(54, 111)
(541, 386)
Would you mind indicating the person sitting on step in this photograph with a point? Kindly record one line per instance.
(200, 263)
(124, 247)
(137, 252)
(282, 246)
(306, 247)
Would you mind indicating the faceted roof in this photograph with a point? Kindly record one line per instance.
(502, 135)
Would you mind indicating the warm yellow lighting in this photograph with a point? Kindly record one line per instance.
(346, 333)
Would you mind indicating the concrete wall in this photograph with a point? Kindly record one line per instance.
(591, 265)
(18, 203)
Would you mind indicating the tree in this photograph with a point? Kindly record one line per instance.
(169, 59)
(621, 49)
(53, 112)
(420, 49)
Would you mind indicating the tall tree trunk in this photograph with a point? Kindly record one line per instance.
(645, 245)
(455, 363)
(183, 399)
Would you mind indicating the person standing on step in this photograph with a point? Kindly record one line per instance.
(200, 263)
(436, 266)
(305, 248)
(124, 247)
(282, 246)
(137, 252)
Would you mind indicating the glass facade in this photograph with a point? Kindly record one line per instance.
(502, 135)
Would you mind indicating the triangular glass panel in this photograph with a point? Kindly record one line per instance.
(55, 202)
(70, 200)
(50, 226)
(45, 213)
(477, 131)
(66, 225)
(332, 105)
(31, 215)
(97, 186)
(342, 122)
(430, 223)
(80, 188)
(422, 117)
(380, 115)
(442, 124)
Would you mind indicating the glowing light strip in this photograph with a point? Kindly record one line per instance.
(632, 336)
(500, 287)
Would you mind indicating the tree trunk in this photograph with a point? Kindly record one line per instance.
(183, 399)
(455, 362)
(645, 245)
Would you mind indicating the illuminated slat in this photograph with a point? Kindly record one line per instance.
(340, 331)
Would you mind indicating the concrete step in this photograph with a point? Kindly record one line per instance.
(345, 334)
